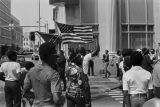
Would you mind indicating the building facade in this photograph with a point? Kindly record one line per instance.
(9, 36)
(122, 23)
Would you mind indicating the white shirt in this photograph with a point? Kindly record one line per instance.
(137, 80)
(11, 70)
(86, 62)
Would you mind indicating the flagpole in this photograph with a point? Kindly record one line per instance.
(56, 28)
(59, 35)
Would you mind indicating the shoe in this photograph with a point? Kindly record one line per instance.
(109, 75)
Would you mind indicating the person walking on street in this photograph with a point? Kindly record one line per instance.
(12, 88)
(45, 80)
(137, 83)
(106, 63)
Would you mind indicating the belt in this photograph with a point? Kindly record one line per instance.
(139, 95)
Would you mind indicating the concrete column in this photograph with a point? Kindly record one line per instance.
(156, 10)
(107, 19)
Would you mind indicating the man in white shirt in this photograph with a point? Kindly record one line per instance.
(137, 82)
(89, 57)
(11, 70)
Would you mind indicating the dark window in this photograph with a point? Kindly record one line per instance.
(150, 28)
(124, 28)
(137, 27)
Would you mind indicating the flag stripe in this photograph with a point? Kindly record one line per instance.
(71, 38)
(82, 29)
(68, 37)
(84, 33)
(72, 41)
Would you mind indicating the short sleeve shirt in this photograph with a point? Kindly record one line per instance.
(45, 82)
(137, 80)
(11, 70)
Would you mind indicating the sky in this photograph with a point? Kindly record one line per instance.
(27, 11)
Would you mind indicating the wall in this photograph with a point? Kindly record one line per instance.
(73, 14)
(61, 14)
(89, 11)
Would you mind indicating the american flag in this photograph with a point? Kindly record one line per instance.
(75, 33)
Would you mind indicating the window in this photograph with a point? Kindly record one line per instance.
(124, 27)
(150, 28)
(137, 27)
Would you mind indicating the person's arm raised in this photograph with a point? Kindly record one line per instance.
(94, 53)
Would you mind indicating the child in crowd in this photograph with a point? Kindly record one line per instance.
(29, 96)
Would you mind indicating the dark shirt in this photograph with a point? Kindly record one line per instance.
(61, 61)
(146, 63)
(106, 57)
(44, 81)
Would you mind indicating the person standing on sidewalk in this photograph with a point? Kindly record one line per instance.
(61, 61)
(45, 80)
(106, 63)
(155, 102)
(29, 95)
(118, 59)
(76, 82)
(12, 87)
(137, 83)
(146, 62)
(156, 79)
(91, 66)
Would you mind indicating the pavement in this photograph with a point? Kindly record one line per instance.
(99, 91)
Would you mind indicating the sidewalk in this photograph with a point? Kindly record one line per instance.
(99, 84)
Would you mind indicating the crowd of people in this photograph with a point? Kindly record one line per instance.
(43, 85)
(138, 72)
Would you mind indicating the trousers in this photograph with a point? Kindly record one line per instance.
(138, 101)
(12, 94)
